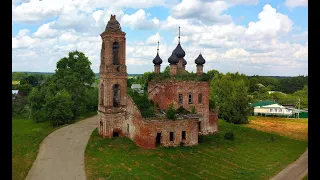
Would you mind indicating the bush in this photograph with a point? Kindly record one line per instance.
(193, 110)
(181, 143)
(229, 136)
(145, 106)
(148, 112)
(171, 112)
(18, 106)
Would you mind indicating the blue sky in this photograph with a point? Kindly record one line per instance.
(264, 37)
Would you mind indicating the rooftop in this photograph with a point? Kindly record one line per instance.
(263, 103)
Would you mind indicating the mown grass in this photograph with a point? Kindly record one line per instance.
(293, 128)
(26, 138)
(252, 155)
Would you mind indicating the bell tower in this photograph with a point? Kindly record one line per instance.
(112, 80)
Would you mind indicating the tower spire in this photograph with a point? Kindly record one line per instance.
(158, 48)
(179, 34)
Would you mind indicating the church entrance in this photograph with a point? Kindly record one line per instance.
(115, 134)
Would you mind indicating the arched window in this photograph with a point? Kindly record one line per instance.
(115, 53)
(101, 94)
(116, 95)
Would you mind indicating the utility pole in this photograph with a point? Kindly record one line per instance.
(299, 108)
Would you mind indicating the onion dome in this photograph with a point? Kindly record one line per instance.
(179, 51)
(157, 60)
(173, 59)
(113, 25)
(184, 62)
(200, 60)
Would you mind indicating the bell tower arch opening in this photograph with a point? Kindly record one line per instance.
(116, 95)
(115, 53)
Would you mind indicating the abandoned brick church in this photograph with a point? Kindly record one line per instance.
(119, 116)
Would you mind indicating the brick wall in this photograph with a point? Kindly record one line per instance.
(144, 131)
(166, 92)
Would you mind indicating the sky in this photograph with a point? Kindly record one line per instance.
(254, 37)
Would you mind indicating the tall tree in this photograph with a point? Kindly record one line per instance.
(230, 95)
(75, 75)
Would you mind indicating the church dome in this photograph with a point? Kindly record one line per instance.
(179, 51)
(173, 59)
(200, 60)
(157, 60)
(184, 62)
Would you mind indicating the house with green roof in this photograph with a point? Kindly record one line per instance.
(268, 107)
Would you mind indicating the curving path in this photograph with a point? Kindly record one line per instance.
(61, 154)
(295, 171)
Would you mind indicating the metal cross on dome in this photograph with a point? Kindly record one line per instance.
(158, 48)
(179, 34)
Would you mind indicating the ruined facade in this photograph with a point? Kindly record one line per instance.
(118, 114)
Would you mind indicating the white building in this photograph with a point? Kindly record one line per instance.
(270, 108)
(137, 88)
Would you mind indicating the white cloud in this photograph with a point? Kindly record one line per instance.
(24, 42)
(23, 32)
(97, 14)
(36, 10)
(45, 30)
(235, 54)
(68, 37)
(152, 40)
(202, 10)
(270, 23)
(296, 3)
(139, 20)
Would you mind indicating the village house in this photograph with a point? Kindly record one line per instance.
(270, 108)
(118, 114)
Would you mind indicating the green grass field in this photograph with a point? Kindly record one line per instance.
(252, 155)
(26, 138)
